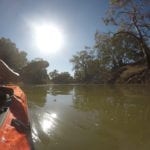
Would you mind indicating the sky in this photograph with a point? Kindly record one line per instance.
(77, 20)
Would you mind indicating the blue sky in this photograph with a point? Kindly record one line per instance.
(78, 19)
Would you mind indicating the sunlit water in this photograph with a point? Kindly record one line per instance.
(91, 117)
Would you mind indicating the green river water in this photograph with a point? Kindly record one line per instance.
(89, 117)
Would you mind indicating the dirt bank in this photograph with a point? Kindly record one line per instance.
(136, 73)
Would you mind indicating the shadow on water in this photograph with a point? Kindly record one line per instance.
(123, 112)
(90, 117)
(60, 90)
(36, 94)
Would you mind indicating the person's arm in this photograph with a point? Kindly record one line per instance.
(6, 73)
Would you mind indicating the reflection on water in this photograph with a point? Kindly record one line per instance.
(35, 135)
(47, 122)
(60, 90)
(36, 94)
(90, 117)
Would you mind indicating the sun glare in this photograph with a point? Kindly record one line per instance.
(48, 38)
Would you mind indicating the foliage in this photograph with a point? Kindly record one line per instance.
(116, 51)
(81, 63)
(11, 55)
(109, 53)
(131, 19)
(130, 43)
(86, 66)
(35, 72)
(60, 78)
(31, 72)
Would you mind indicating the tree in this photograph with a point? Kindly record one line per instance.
(81, 62)
(53, 75)
(11, 55)
(132, 17)
(35, 72)
(114, 52)
(88, 68)
(60, 78)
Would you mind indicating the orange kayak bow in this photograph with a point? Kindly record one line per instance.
(15, 133)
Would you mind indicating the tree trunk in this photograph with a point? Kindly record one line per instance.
(146, 51)
(144, 47)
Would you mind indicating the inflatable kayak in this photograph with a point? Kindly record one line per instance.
(15, 133)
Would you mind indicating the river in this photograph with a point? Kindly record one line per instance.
(89, 117)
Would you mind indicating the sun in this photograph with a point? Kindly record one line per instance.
(48, 38)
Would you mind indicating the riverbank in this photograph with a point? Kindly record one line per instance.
(136, 73)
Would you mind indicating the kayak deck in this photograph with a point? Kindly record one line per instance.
(15, 126)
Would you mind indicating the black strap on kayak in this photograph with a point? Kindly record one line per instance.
(20, 126)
